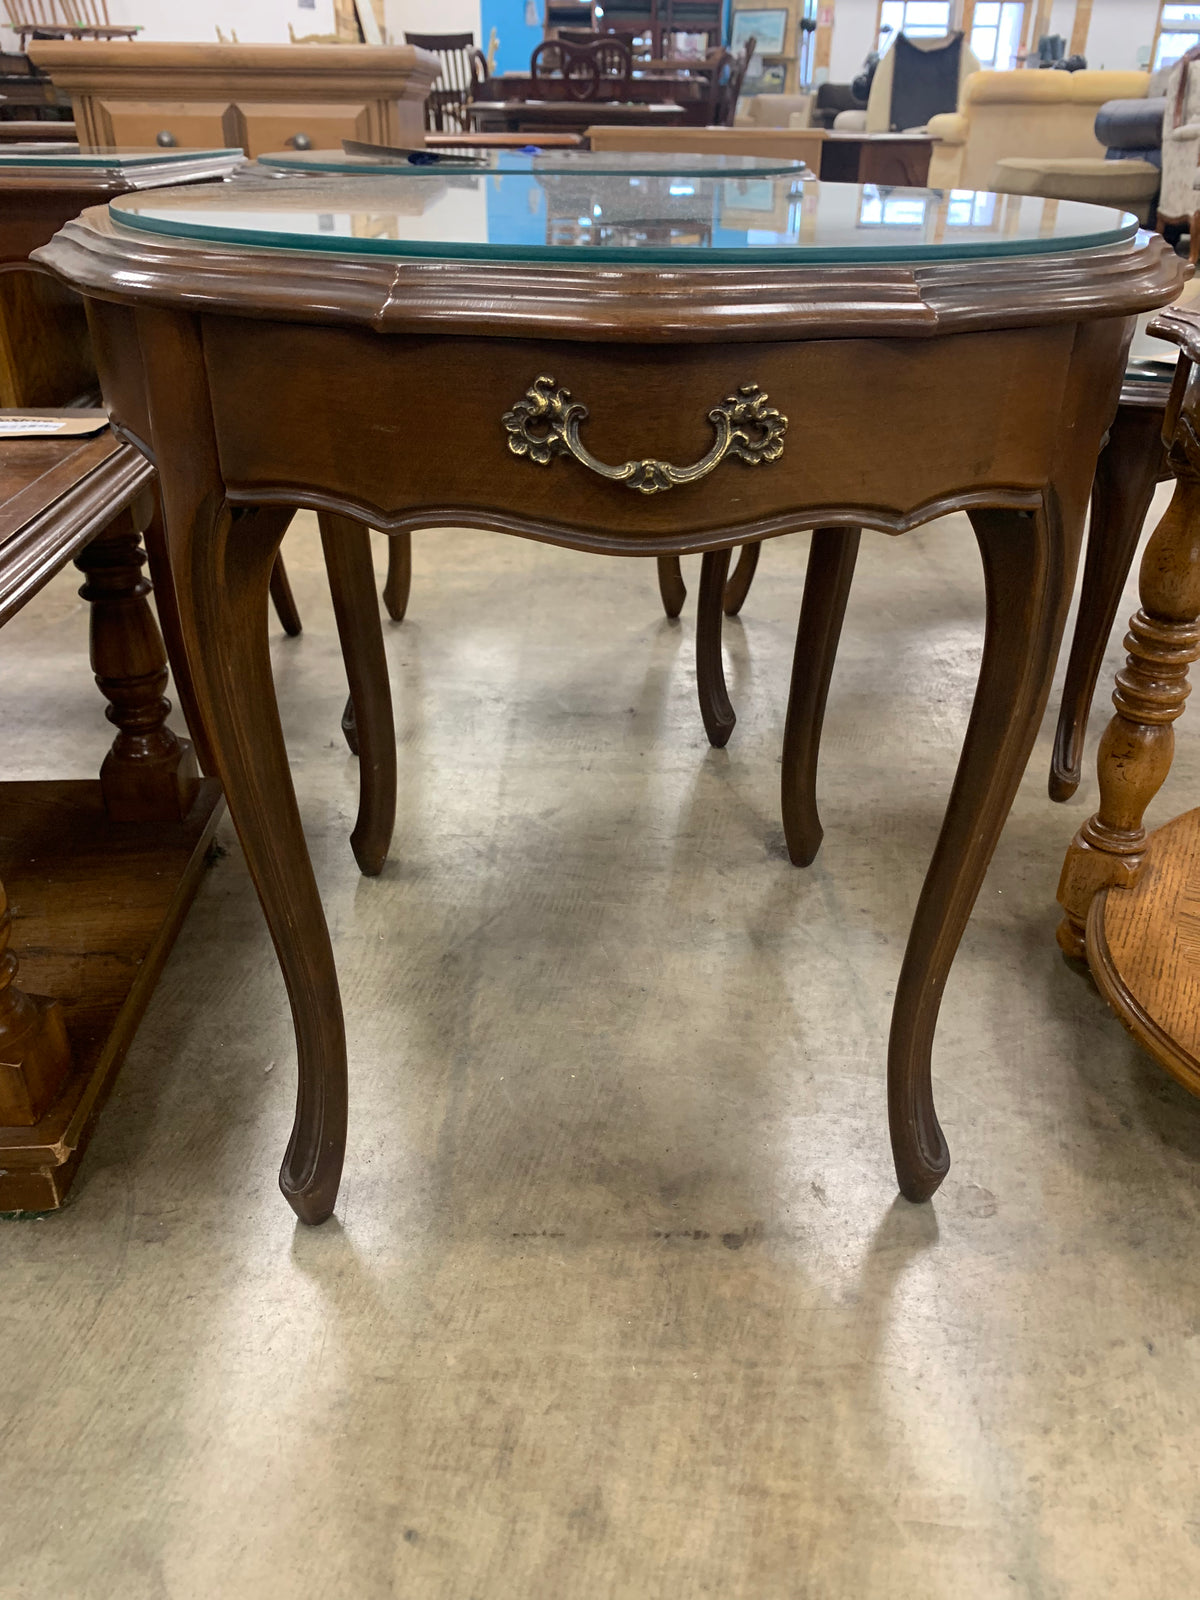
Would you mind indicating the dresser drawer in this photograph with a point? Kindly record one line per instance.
(298, 126)
(169, 124)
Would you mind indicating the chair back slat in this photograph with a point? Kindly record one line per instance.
(464, 72)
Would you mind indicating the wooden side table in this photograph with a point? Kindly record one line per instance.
(658, 400)
(1131, 899)
(97, 875)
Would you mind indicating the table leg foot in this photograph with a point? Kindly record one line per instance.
(742, 577)
(831, 560)
(1130, 465)
(718, 714)
(671, 585)
(1026, 572)
(398, 583)
(347, 547)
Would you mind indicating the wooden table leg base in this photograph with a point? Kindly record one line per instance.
(831, 560)
(718, 714)
(97, 905)
(671, 586)
(1142, 955)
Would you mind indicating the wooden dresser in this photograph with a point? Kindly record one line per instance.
(259, 97)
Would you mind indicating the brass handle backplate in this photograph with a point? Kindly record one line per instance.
(546, 424)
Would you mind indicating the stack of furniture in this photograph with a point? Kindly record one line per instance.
(653, 20)
(27, 93)
(258, 97)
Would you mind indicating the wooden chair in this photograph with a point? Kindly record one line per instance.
(65, 19)
(725, 84)
(464, 72)
(600, 70)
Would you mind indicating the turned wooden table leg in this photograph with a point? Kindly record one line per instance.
(742, 577)
(35, 1057)
(283, 600)
(399, 575)
(1028, 561)
(347, 547)
(149, 775)
(1138, 745)
(222, 563)
(718, 714)
(671, 585)
(831, 559)
(1130, 465)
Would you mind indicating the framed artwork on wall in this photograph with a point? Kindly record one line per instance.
(768, 27)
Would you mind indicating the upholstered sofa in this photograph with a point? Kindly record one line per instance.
(1023, 113)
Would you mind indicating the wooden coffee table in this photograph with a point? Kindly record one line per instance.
(96, 875)
(454, 368)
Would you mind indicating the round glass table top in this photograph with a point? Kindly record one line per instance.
(626, 163)
(580, 217)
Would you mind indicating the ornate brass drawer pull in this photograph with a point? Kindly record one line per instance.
(546, 423)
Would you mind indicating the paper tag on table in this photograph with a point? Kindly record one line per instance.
(19, 425)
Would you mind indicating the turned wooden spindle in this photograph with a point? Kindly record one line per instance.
(149, 775)
(1138, 745)
(35, 1058)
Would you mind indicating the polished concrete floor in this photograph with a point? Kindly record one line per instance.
(619, 1300)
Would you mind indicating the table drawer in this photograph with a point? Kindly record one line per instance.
(868, 425)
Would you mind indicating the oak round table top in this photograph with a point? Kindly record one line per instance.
(631, 364)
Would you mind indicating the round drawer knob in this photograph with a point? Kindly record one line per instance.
(166, 139)
(300, 141)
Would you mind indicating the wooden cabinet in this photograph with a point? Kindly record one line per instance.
(254, 97)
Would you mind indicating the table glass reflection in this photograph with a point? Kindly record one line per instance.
(609, 217)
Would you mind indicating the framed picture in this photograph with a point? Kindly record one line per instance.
(768, 27)
(771, 80)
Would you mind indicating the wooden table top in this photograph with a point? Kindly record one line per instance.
(55, 496)
(578, 111)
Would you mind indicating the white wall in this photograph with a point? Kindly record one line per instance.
(853, 37)
(1119, 28)
(431, 16)
(266, 21)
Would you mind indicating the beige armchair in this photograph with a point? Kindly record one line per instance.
(877, 118)
(1022, 113)
(775, 111)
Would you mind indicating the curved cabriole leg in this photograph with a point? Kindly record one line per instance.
(831, 560)
(715, 708)
(742, 577)
(222, 567)
(283, 600)
(671, 585)
(347, 547)
(1026, 573)
(399, 576)
(1129, 467)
